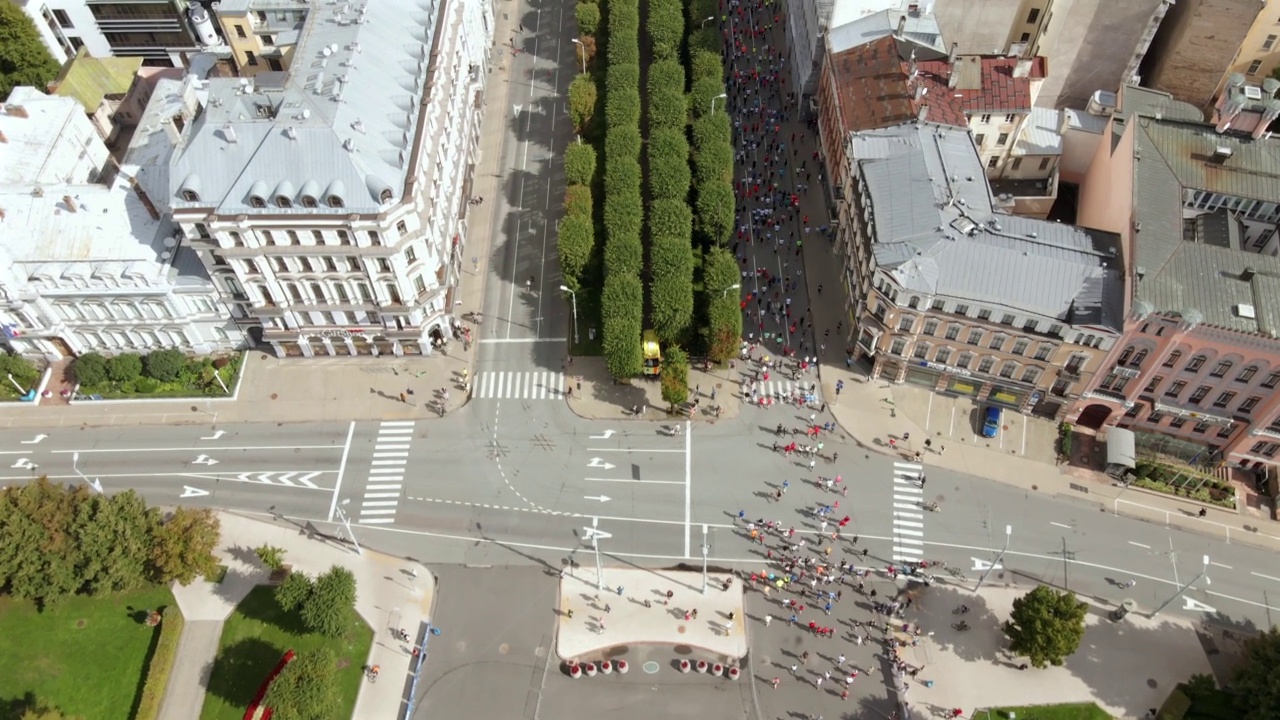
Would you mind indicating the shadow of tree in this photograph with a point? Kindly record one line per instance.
(15, 708)
(241, 668)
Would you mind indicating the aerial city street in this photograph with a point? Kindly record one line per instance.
(973, 353)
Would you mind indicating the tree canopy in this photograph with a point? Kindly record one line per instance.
(24, 60)
(1046, 625)
(306, 689)
(1257, 684)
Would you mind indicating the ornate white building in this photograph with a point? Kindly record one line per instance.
(329, 200)
(86, 262)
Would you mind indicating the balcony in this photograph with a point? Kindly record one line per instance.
(1126, 372)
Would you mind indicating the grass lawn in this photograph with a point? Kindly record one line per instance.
(254, 639)
(1066, 711)
(85, 655)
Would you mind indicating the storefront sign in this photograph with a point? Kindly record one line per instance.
(945, 368)
(1005, 397)
(341, 333)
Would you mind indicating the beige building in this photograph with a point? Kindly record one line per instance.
(1259, 51)
(261, 33)
(945, 291)
(1201, 41)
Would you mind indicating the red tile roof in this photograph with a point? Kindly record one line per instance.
(875, 90)
(987, 83)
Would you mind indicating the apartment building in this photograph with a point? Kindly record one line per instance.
(1197, 209)
(946, 292)
(86, 262)
(1258, 53)
(1200, 42)
(161, 32)
(262, 34)
(329, 201)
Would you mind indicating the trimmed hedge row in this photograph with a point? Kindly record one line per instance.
(669, 174)
(724, 314)
(622, 298)
(576, 241)
(666, 28)
(161, 665)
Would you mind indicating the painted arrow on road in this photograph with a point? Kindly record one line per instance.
(25, 464)
(217, 434)
(983, 565)
(1189, 604)
(190, 492)
(277, 478)
(205, 460)
(599, 463)
(607, 434)
(601, 498)
(34, 440)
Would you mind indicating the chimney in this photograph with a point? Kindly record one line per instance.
(921, 90)
(70, 202)
(902, 25)
(955, 52)
(1247, 274)
(142, 195)
(923, 113)
(1269, 114)
(17, 111)
(1022, 68)
(953, 66)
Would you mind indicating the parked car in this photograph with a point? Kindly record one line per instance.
(991, 422)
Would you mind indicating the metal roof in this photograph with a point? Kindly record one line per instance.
(1040, 134)
(343, 116)
(88, 79)
(920, 28)
(937, 232)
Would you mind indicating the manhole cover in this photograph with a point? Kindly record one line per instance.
(650, 667)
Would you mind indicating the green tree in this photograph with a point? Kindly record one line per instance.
(270, 556)
(165, 365)
(23, 370)
(112, 538)
(124, 367)
(724, 326)
(1257, 685)
(38, 554)
(675, 377)
(622, 311)
(294, 590)
(24, 60)
(715, 211)
(588, 14)
(89, 369)
(1046, 625)
(575, 244)
(579, 164)
(582, 102)
(578, 200)
(671, 292)
(306, 689)
(184, 546)
(331, 607)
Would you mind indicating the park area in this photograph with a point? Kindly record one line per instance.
(1065, 711)
(86, 655)
(257, 635)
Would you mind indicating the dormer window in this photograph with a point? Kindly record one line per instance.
(190, 196)
(308, 201)
(334, 201)
(257, 202)
(385, 195)
(284, 202)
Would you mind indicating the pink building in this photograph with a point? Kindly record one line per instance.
(1197, 210)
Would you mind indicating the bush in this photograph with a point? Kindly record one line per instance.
(146, 385)
(271, 556)
(671, 294)
(705, 92)
(624, 255)
(675, 377)
(710, 129)
(622, 144)
(22, 369)
(713, 163)
(624, 34)
(578, 200)
(582, 102)
(715, 211)
(724, 317)
(90, 369)
(579, 164)
(621, 178)
(165, 365)
(705, 64)
(622, 97)
(622, 309)
(671, 218)
(669, 174)
(124, 367)
(666, 27)
(588, 14)
(294, 591)
(161, 665)
(575, 244)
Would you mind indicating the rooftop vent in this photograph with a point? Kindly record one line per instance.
(1246, 311)
(1221, 153)
(1253, 92)
(1247, 274)
(290, 133)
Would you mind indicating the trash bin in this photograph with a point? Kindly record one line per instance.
(1125, 608)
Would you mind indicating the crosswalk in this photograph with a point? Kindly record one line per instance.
(386, 473)
(520, 385)
(908, 512)
(784, 390)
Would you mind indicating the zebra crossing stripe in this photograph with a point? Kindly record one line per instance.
(520, 385)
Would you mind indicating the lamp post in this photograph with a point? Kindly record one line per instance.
(595, 535)
(1186, 587)
(735, 286)
(346, 521)
(578, 42)
(1008, 532)
(705, 550)
(574, 296)
(95, 483)
(15, 384)
(709, 19)
(721, 96)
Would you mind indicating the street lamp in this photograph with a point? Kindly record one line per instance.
(1008, 532)
(1186, 587)
(574, 296)
(95, 483)
(705, 550)
(578, 42)
(709, 19)
(346, 521)
(15, 384)
(721, 96)
(735, 286)
(595, 535)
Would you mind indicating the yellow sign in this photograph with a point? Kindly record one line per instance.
(1005, 397)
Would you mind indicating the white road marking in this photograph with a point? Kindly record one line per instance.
(188, 492)
(217, 434)
(636, 482)
(1190, 604)
(634, 450)
(603, 436)
(600, 463)
(204, 460)
(1058, 524)
(688, 482)
(979, 564)
(1147, 547)
(35, 440)
(195, 449)
(1218, 564)
(1267, 577)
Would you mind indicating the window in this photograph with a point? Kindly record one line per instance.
(292, 235)
(1155, 416)
(930, 327)
(1196, 363)
(1220, 370)
(1020, 347)
(964, 360)
(1177, 423)
(1199, 394)
(997, 342)
(373, 237)
(309, 202)
(922, 350)
(994, 162)
(1247, 374)
(240, 32)
(985, 119)
(1253, 67)
(984, 314)
(1033, 16)
(257, 202)
(985, 365)
(384, 265)
(898, 347)
(905, 323)
(1008, 319)
(975, 337)
(1138, 358)
(1044, 163)
(330, 265)
(1269, 42)
(979, 139)
(344, 237)
(1017, 163)
(1271, 380)
(317, 292)
(282, 265)
(333, 201)
(251, 268)
(1224, 399)
(1249, 404)
(1008, 369)
(1224, 432)
(913, 302)
(250, 58)
(366, 295)
(1002, 139)
(419, 285)
(1031, 325)
(402, 228)
(1124, 356)
(1042, 352)
(953, 332)
(962, 309)
(1200, 427)
(410, 255)
(1172, 359)
(1153, 384)
(1175, 389)
(1031, 375)
(937, 305)
(353, 264)
(1025, 38)
(943, 355)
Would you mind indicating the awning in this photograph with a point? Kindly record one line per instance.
(1121, 448)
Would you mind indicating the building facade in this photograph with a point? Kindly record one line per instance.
(1258, 54)
(262, 34)
(1198, 44)
(946, 292)
(161, 32)
(1197, 208)
(329, 201)
(86, 263)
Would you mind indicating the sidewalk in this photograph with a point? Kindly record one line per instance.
(389, 597)
(603, 619)
(597, 397)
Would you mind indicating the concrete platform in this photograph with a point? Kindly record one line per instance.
(627, 622)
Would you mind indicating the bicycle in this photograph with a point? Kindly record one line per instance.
(371, 672)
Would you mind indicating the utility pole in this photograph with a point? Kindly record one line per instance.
(1203, 571)
(705, 550)
(1008, 532)
(595, 535)
(346, 521)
